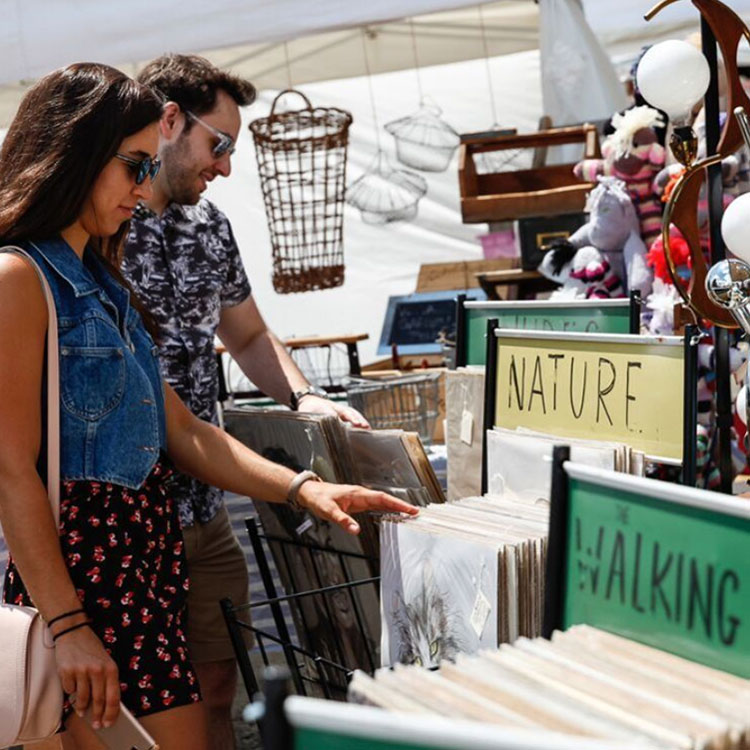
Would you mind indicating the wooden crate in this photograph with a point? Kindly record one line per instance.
(539, 191)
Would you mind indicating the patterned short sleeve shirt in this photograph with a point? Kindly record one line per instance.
(186, 268)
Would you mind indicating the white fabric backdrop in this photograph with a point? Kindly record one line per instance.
(380, 261)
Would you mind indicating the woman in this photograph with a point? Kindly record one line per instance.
(76, 160)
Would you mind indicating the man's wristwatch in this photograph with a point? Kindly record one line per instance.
(294, 487)
(310, 390)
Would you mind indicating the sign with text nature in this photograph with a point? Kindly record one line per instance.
(573, 316)
(623, 388)
(654, 568)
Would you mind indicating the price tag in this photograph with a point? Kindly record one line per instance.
(304, 526)
(467, 427)
(480, 613)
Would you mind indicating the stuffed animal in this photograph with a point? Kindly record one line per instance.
(659, 312)
(583, 272)
(633, 154)
(612, 231)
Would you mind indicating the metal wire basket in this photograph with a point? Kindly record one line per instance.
(302, 165)
(424, 140)
(323, 366)
(408, 402)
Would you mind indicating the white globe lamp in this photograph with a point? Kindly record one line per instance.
(735, 227)
(741, 404)
(673, 76)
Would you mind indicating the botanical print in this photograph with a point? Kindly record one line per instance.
(439, 595)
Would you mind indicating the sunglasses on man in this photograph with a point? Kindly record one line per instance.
(225, 143)
(142, 168)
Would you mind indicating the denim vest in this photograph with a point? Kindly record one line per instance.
(112, 422)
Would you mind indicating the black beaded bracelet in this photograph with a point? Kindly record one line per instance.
(65, 614)
(85, 623)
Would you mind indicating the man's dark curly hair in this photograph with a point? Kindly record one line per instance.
(193, 82)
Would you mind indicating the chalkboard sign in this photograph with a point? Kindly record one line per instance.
(571, 316)
(413, 322)
(656, 562)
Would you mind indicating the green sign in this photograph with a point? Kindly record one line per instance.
(661, 564)
(315, 739)
(573, 316)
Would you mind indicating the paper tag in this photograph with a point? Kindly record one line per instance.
(304, 526)
(480, 613)
(467, 427)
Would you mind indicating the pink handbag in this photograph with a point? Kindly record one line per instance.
(31, 696)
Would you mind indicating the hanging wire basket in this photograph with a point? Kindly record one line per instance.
(424, 140)
(384, 193)
(302, 164)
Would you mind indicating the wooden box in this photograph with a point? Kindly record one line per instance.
(538, 191)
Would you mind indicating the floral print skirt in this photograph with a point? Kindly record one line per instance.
(125, 555)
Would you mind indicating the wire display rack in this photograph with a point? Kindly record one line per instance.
(313, 672)
(408, 402)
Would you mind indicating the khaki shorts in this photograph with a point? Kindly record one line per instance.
(217, 568)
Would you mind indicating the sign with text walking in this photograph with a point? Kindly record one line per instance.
(655, 562)
(624, 388)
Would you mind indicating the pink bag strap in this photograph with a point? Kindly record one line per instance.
(53, 387)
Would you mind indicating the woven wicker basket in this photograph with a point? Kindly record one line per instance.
(302, 165)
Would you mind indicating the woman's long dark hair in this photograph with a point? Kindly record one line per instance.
(66, 130)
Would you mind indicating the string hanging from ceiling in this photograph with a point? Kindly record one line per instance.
(423, 139)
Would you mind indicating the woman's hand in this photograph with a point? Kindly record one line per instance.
(333, 502)
(88, 673)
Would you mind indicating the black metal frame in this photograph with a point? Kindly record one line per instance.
(460, 359)
(556, 543)
(635, 311)
(490, 396)
(715, 212)
(331, 676)
(690, 408)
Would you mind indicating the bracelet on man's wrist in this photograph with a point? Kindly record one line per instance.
(295, 485)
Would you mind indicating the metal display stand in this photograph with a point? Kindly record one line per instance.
(329, 677)
(715, 211)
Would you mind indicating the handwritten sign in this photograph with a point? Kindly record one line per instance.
(573, 316)
(603, 387)
(658, 563)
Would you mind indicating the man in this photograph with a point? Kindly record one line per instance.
(183, 261)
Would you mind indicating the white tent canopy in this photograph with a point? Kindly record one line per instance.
(38, 35)
(323, 39)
